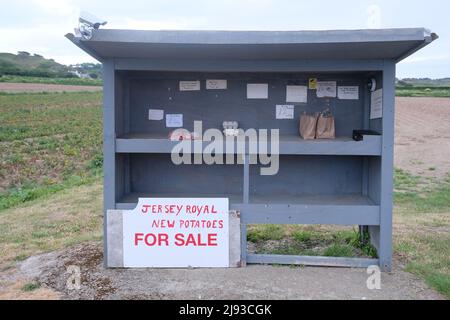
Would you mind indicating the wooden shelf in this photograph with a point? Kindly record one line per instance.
(289, 145)
(276, 209)
(325, 200)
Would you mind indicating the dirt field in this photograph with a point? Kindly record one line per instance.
(422, 143)
(39, 87)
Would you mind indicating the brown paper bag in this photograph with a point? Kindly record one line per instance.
(325, 126)
(308, 124)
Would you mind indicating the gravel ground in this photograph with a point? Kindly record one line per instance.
(252, 282)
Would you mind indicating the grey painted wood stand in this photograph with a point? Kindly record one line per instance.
(340, 182)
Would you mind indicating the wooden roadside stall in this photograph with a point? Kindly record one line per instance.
(157, 81)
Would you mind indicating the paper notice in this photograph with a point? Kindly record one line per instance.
(216, 84)
(376, 104)
(326, 89)
(155, 114)
(312, 84)
(174, 120)
(189, 85)
(297, 94)
(257, 91)
(348, 93)
(285, 112)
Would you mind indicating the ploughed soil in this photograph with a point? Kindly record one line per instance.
(422, 140)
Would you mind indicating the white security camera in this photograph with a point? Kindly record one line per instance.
(91, 20)
(87, 23)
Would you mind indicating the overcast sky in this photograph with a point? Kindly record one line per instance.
(38, 26)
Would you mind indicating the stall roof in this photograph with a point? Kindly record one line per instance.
(395, 44)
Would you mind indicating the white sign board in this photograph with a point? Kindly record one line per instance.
(297, 94)
(376, 104)
(348, 93)
(189, 85)
(155, 114)
(216, 84)
(177, 233)
(285, 112)
(174, 120)
(326, 89)
(257, 91)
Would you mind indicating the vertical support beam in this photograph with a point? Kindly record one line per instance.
(387, 166)
(246, 192)
(109, 156)
(243, 243)
(246, 185)
(365, 165)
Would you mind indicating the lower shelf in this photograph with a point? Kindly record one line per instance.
(311, 261)
(333, 200)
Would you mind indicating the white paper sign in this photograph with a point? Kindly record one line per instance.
(216, 84)
(326, 89)
(285, 112)
(177, 233)
(155, 114)
(189, 85)
(257, 91)
(376, 104)
(348, 93)
(174, 120)
(297, 94)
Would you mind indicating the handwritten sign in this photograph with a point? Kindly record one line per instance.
(297, 94)
(177, 233)
(189, 85)
(257, 91)
(155, 114)
(174, 120)
(348, 93)
(216, 84)
(326, 89)
(284, 112)
(376, 104)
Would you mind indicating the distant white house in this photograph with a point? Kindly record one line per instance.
(80, 75)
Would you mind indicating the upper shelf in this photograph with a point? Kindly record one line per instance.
(289, 145)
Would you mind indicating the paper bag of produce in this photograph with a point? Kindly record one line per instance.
(308, 124)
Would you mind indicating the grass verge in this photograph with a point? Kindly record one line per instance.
(68, 217)
(63, 81)
(422, 228)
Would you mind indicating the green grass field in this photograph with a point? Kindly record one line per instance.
(51, 194)
(437, 92)
(63, 81)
